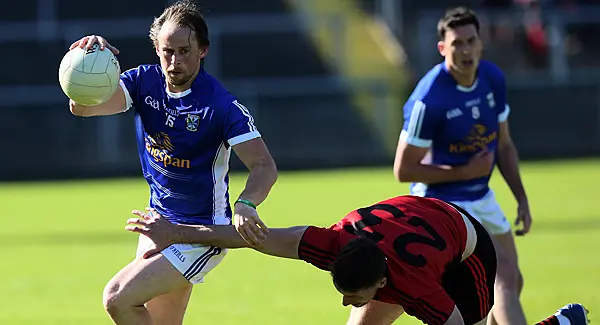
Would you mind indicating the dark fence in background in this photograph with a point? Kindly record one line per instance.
(263, 54)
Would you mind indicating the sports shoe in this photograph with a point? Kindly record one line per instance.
(576, 313)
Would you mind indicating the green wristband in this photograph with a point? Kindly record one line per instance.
(246, 202)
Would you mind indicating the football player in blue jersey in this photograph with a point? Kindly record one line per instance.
(455, 132)
(187, 124)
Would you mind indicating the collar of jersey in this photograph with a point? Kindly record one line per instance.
(468, 89)
(199, 80)
(459, 87)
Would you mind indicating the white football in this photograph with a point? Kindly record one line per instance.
(89, 76)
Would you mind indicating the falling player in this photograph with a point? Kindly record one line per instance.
(186, 125)
(422, 256)
(455, 130)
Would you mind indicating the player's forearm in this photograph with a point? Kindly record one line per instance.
(209, 235)
(263, 175)
(116, 104)
(80, 110)
(508, 164)
(280, 242)
(87, 111)
(429, 174)
(283, 242)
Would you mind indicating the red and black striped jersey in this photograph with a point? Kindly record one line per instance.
(420, 238)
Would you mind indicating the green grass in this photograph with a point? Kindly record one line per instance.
(61, 242)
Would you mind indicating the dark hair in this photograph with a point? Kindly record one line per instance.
(456, 17)
(359, 265)
(182, 13)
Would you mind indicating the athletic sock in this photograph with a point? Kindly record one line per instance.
(555, 320)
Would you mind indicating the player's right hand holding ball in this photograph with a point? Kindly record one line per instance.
(91, 88)
(88, 41)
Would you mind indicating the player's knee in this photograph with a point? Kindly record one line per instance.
(115, 299)
(110, 301)
(110, 297)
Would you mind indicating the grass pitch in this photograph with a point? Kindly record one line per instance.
(62, 241)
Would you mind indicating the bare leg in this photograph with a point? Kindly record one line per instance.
(507, 309)
(375, 313)
(136, 284)
(169, 309)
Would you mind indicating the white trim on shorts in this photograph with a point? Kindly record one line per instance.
(488, 212)
(194, 261)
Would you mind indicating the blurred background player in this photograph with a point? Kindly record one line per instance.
(187, 124)
(408, 253)
(455, 131)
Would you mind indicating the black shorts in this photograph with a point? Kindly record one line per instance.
(470, 283)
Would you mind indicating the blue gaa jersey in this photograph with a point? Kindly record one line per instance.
(455, 123)
(184, 143)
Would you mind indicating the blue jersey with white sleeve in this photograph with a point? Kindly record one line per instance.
(455, 123)
(184, 143)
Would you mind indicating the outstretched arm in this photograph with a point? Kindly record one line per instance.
(280, 242)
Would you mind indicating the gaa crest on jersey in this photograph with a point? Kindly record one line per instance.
(491, 100)
(191, 122)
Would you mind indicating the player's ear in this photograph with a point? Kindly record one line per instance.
(382, 283)
(203, 52)
(440, 47)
